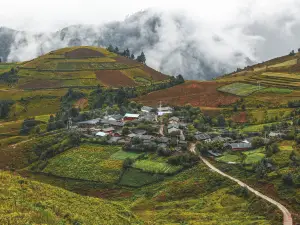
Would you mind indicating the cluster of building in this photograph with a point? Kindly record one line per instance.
(111, 126)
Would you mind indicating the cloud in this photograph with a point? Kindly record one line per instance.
(175, 41)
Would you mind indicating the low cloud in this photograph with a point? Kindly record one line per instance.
(175, 43)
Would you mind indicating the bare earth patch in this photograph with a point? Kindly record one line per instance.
(114, 78)
(83, 53)
(191, 92)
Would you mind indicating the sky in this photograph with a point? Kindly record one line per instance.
(194, 35)
(34, 15)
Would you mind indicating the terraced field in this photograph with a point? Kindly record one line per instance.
(240, 89)
(203, 94)
(77, 67)
(87, 162)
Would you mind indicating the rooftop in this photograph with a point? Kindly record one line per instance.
(132, 115)
(91, 122)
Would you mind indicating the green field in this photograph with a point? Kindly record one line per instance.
(240, 89)
(121, 155)
(29, 202)
(156, 167)
(87, 162)
(275, 90)
(286, 63)
(136, 178)
(254, 156)
(227, 158)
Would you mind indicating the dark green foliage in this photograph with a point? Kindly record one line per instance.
(292, 53)
(68, 99)
(257, 142)
(5, 108)
(10, 77)
(141, 58)
(261, 169)
(185, 160)
(28, 125)
(221, 121)
(272, 149)
(294, 104)
(127, 163)
(110, 48)
(49, 146)
(288, 179)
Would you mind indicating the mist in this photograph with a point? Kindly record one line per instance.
(175, 42)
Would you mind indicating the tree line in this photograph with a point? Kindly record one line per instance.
(126, 53)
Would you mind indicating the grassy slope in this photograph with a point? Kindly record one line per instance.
(272, 185)
(87, 162)
(29, 202)
(44, 80)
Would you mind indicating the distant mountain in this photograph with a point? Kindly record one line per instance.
(172, 43)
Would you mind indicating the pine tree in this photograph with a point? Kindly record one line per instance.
(132, 56)
(141, 58)
(127, 53)
(110, 48)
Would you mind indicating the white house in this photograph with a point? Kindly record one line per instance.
(146, 109)
(164, 110)
(101, 134)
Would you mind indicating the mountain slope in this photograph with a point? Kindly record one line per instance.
(83, 67)
(189, 49)
(29, 202)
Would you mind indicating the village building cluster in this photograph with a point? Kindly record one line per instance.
(148, 129)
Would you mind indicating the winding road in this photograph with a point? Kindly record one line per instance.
(287, 218)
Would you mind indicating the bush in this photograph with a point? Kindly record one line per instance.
(185, 160)
(257, 142)
(288, 179)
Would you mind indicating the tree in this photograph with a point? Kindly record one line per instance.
(132, 56)
(288, 179)
(257, 142)
(141, 58)
(125, 131)
(180, 79)
(221, 121)
(116, 50)
(261, 170)
(110, 48)
(298, 49)
(202, 148)
(292, 53)
(127, 53)
(235, 108)
(127, 163)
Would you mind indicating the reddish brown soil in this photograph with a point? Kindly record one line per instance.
(83, 53)
(240, 117)
(122, 59)
(110, 193)
(41, 84)
(192, 92)
(157, 76)
(114, 78)
(81, 103)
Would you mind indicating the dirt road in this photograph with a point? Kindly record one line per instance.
(287, 218)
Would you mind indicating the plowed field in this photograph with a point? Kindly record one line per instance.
(114, 78)
(83, 53)
(191, 92)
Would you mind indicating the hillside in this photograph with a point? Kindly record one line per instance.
(29, 202)
(82, 67)
(280, 72)
(44, 80)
